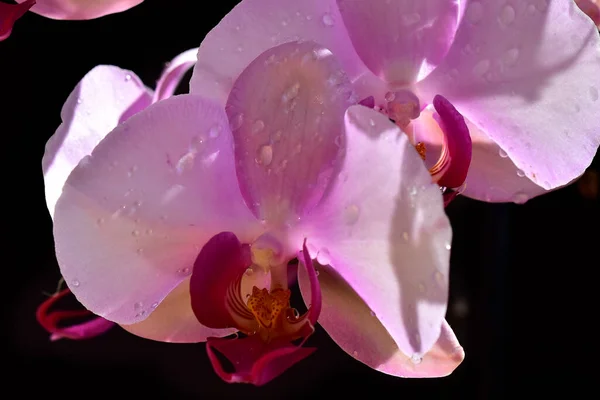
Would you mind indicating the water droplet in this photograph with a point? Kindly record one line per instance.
(416, 359)
(276, 136)
(183, 271)
(338, 141)
(593, 93)
(149, 231)
(475, 12)
(257, 126)
(100, 221)
(291, 93)
(507, 15)
(154, 305)
(127, 78)
(323, 257)
(502, 153)
(390, 96)
(138, 306)
(249, 271)
(405, 236)
(135, 232)
(236, 122)
(373, 313)
(355, 353)
(240, 49)
(327, 19)
(520, 198)
(215, 131)
(186, 162)
(372, 122)
(481, 67)
(265, 155)
(75, 283)
(140, 314)
(520, 173)
(140, 251)
(448, 246)
(510, 57)
(351, 214)
(410, 19)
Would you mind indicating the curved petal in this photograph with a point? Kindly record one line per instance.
(400, 41)
(492, 176)
(133, 215)
(10, 13)
(515, 70)
(382, 227)
(173, 73)
(356, 329)
(255, 26)
(286, 112)
(80, 9)
(104, 97)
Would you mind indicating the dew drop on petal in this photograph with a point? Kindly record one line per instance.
(520, 173)
(265, 155)
(327, 20)
(448, 246)
(323, 257)
(507, 15)
(135, 232)
(75, 283)
(154, 305)
(236, 121)
(502, 153)
(351, 214)
(416, 359)
(138, 306)
(214, 131)
(257, 126)
(481, 68)
(100, 221)
(127, 78)
(520, 198)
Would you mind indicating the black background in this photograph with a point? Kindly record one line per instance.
(523, 286)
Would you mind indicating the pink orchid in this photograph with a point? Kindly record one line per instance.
(186, 187)
(9, 14)
(525, 74)
(80, 9)
(591, 8)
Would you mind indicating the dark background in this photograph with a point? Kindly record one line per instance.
(523, 297)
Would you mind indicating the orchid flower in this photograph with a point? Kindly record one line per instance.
(9, 14)
(80, 9)
(524, 74)
(591, 8)
(180, 223)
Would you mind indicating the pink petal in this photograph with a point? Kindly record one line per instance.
(383, 214)
(173, 73)
(133, 215)
(104, 97)
(358, 331)
(528, 75)
(400, 41)
(255, 26)
(286, 112)
(255, 362)
(81, 9)
(9, 14)
(50, 321)
(492, 176)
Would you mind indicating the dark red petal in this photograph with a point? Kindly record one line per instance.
(254, 361)
(50, 321)
(314, 308)
(220, 264)
(457, 144)
(9, 14)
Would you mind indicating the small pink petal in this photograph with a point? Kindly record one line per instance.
(591, 8)
(255, 362)
(10, 13)
(50, 320)
(492, 175)
(81, 9)
(222, 261)
(358, 331)
(383, 214)
(457, 144)
(314, 306)
(286, 112)
(400, 41)
(99, 102)
(173, 73)
(255, 26)
(134, 215)
(528, 75)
